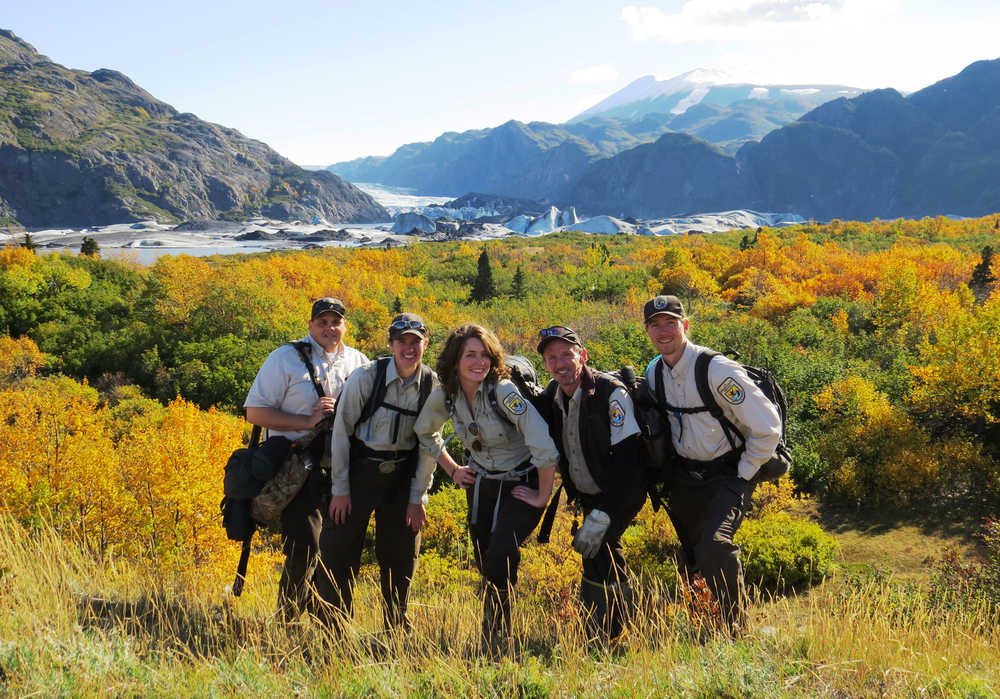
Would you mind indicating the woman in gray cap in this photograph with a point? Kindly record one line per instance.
(377, 468)
(511, 461)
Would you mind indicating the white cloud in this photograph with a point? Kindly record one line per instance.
(752, 19)
(593, 74)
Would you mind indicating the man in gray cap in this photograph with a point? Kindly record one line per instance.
(296, 387)
(592, 422)
(714, 475)
(377, 468)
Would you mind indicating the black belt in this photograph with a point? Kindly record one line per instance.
(725, 465)
(360, 450)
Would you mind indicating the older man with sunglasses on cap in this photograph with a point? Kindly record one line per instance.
(593, 424)
(377, 468)
(296, 389)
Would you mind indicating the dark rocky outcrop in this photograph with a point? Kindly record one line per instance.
(202, 225)
(503, 207)
(80, 148)
(256, 235)
(677, 173)
(327, 235)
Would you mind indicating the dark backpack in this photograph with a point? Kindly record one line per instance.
(658, 451)
(781, 462)
(247, 472)
(522, 375)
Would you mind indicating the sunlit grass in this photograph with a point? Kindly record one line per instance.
(79, 627)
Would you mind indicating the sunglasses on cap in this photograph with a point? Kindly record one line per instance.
(407, 325)
(555, 331)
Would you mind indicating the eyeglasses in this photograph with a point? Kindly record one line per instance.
(407, 325)
(555, 331)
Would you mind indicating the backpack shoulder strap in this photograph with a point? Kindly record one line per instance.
(254, 437)
(491, 398)
(659, 392)
(701, 381)
(707, 397)
(305, 349)
(426, 385)
(377, 396)
(545, 531)
(241, 567)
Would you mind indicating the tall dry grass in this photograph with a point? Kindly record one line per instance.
(75, 626)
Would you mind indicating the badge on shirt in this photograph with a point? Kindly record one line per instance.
(731, 390)
(515, 403)
(617, 414)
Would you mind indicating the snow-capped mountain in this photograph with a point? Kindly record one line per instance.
(650, 94)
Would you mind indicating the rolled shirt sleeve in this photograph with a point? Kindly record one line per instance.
(533, 429)
(429, 423)
(349, 407)
(746, 406)
(421, 482)
(621, 416)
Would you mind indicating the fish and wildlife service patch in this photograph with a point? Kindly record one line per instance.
(515, 404)
(616, 414)
(732, 391)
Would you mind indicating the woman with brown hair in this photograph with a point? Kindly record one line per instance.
(511, 461)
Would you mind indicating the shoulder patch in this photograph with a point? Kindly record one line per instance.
(515, 403)
(616, 414)
(732, 391)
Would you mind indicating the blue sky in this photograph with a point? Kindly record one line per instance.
(323, 81)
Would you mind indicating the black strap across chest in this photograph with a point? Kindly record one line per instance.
(709, 403)
(377, 400)
(305, 351)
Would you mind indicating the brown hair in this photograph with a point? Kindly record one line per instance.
(447, 363)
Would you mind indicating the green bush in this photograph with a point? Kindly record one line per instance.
(650, 548)
(446, 532)
(780, 552)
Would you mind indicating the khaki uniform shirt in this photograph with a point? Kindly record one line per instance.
(699, 436)
(504, 446)
(283, 381)
(376, 432)
(621, 420)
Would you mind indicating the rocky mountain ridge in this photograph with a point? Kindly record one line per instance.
(80, 148)
(936, 151)
(542, 160)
